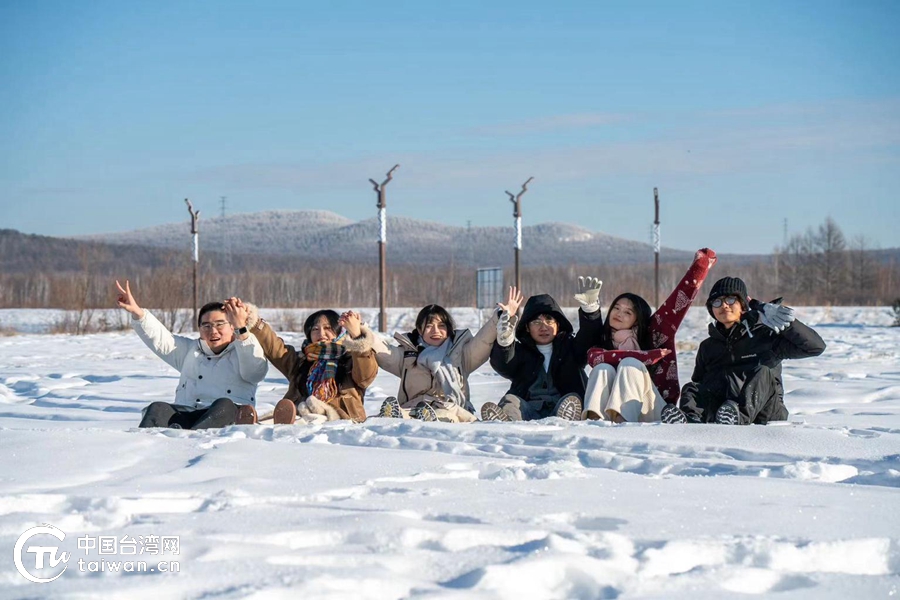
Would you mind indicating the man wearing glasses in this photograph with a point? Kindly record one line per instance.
(219, 372)
(541, 356)
(737, 376)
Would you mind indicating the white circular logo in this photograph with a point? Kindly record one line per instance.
(40, 552)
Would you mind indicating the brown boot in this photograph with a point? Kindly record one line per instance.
(285, 412)
(246, 415)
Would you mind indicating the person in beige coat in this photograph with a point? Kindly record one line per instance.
(434, 363)
(329, 374)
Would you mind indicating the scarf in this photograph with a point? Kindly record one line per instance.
(446, 376)
(625, 339)
(324, 357)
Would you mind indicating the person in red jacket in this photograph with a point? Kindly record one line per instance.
(634, 365)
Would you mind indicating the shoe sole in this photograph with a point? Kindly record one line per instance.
(246, 415)
(390, 410)
(570, 411)
(285, 412)
(424, 413)
(492, 412)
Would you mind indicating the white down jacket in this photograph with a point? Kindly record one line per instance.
(206, 376)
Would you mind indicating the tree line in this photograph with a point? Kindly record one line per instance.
(818, 267)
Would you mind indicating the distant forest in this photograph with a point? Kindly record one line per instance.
(818, 267)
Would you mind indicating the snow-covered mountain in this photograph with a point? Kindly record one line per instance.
(324, 235)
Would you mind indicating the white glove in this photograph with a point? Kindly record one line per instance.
(775, 316)
(506, 329)
(588, 295)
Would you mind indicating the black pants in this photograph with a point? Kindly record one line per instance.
(756, 392)
(220, 413)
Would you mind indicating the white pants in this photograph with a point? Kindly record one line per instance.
(627, 391)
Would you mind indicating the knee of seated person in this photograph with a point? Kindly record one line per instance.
(223, 402)
(763, 371)
(155, 407)
(510, 399)
(631, 363)
(603, 368)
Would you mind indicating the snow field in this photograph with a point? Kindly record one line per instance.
(397, 509)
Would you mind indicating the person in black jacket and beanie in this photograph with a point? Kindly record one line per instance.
(737, 376)
(543, 358)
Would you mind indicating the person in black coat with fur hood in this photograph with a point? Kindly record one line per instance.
(737, 376)
(543, 358)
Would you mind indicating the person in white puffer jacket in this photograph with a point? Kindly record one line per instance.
(219, 372)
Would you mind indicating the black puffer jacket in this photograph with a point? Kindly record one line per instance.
(522, 363)
(729, 357)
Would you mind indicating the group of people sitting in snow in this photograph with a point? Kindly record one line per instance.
(633, 376)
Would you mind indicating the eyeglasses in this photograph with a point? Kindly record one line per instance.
(219, 325)
(729, 300)
(548, 321)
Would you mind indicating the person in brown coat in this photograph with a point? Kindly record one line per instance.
(329, 374)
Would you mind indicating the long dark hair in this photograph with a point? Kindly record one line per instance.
(435, 311)
(642, 323)
(312, 319)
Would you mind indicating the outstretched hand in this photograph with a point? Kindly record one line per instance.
(352, 323)
(513, 301)
(588, 293)
(236, 312)
(127, 302)
(773, 315)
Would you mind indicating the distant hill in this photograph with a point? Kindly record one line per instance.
(324, 235)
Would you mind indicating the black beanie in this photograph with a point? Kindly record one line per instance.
(728, 286)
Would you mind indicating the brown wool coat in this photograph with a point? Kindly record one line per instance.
(356, 370)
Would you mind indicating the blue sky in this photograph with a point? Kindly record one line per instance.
(742, 114)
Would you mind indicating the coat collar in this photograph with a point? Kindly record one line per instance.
(410, 341)
(205, 350)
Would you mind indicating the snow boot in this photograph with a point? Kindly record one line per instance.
(285, 412)
(569, 409)
(728, 414)
(390, 408)
(672, 415)
(246, 415)
(424, 412)
(490, 411)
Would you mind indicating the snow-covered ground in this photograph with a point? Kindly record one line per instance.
(391, 509)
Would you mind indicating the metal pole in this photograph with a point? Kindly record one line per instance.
(382, 243)
(517, 215)
(656, 246)
(195, 234)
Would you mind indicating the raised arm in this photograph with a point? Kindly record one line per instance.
(282, 356)
(478, 349)
(251, 357)
(389, 357)
(359, 343)
(172, 349)
(668, 317)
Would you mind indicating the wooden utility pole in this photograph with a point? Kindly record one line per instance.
(656, 246)
(517, 214)
(382, 242)
(195, 233)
